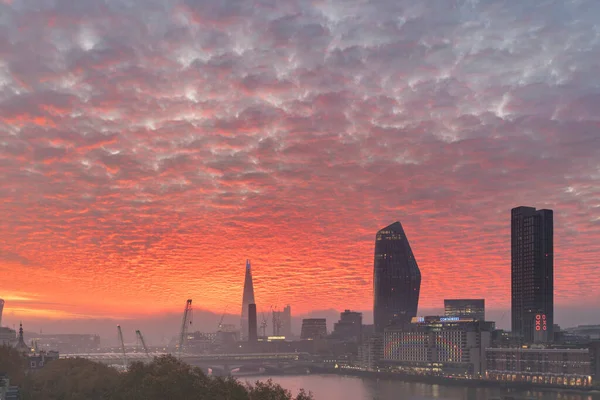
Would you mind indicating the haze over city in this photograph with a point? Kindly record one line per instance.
(148, 148)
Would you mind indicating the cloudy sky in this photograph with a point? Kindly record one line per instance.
(147, 148)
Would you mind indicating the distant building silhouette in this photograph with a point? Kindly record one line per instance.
(396, 278)
(252, 323)
(314, 328)
(247, 299)
(532, 274)
(1, 309)
(282, 322)
(349, 327)
(465, 308)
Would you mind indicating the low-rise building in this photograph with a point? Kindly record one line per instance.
(550, 366)
(446, 346)
(314, 328)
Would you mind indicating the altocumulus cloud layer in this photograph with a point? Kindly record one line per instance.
(148, 147)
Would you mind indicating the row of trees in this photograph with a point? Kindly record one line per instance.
(166, 378)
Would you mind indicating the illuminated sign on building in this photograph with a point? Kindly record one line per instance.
(417, 320)
(541, 328)
(448, 319)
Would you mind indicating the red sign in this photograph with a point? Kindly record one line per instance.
(540, 322)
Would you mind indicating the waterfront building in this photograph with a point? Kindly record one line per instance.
(349, 327)
(438, 346)
(370, 352)
(465, 308)
(532, 274)
(544, 366)
(396, 278)
(247, 299)
(313, 328)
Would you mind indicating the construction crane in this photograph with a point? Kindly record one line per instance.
(263, 325)
(187, 320)
(122, 346)
(220, 326)
(141, 339)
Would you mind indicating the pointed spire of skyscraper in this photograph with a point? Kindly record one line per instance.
(247, 298)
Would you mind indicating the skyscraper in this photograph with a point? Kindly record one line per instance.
(396, 278)
(532, 273)
(282, 322)
(247, 299)
(1, 309)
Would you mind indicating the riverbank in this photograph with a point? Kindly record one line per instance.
(440, 380)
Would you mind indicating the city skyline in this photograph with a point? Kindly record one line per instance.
(143, 161)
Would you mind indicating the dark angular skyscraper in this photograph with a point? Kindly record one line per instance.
(396, 278)
(247, 299)
(532, 273)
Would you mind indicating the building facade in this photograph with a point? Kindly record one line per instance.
(438, 346)
(247, 299)
(532, 274)
(465, 308)
(549, 366)
(314, 328)
(349, 327)
(396, 278)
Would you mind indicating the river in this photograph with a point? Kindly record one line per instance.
(335, 387)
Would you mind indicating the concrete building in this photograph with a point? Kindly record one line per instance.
(349, 327)
(550, 366)
(8, 336)
(465, 308)
(370, 352)
(314, 328)
(532, 274)
(438, 346)
(282, 322)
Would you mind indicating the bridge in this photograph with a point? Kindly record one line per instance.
(220, 363)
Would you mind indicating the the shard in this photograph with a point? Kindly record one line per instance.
(247, 299)
(396, 278)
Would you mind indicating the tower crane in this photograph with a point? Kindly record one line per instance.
(122, 342)
(187, 320)
(141, 339)
(220, 326)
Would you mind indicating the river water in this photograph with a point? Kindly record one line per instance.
(334, 387)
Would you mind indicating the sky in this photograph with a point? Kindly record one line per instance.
(148, 148)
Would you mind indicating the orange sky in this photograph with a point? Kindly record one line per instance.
(147, 150)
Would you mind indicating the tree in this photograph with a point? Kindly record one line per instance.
(73, 379)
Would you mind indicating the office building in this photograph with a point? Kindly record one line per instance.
(545, 366)
(247, 299)
(396, 278)
(282, 322)
(68, 342)
(313, 328)
(465, 308)
(532, 274)
(1, 310)
(252, 323)
(437, 346)
(370, 352)
(8, 337)
(349, 327)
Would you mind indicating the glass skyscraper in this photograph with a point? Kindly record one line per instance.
(532, 274)
(396, 278)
